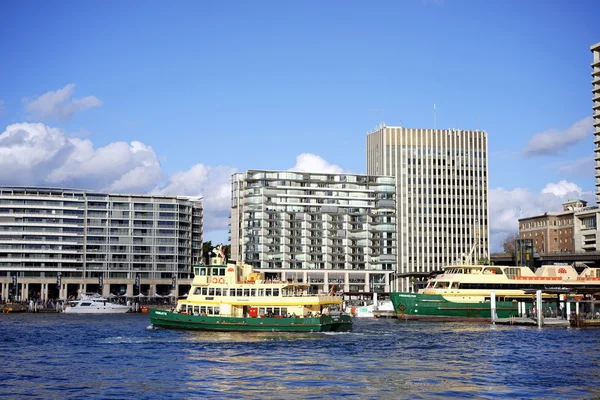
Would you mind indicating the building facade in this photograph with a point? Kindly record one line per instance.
(55, 242)
(553, 232)
(596, 112)
(441, 184)
(326, 229)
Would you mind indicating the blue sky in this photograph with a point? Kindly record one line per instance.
(174, 97)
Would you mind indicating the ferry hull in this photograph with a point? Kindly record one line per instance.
(434, 307)
(168, 319)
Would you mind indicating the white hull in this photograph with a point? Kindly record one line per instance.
(368, 311)
(95, 304)
(99, 310)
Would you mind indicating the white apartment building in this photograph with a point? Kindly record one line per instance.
(325, 229)
(441, 178)
(95, 241)
(596, 112)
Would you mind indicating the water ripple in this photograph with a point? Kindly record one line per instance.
(57, 356)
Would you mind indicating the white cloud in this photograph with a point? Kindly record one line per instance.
(212, 183)
(59, 104)
(507, 206)
(581, 167)
(307, 162)
(554, 141)
(35, 154)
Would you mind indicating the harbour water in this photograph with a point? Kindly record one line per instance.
(58, 356)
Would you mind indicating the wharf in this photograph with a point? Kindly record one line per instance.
(532, 322)
(13, 307)
(384, 314)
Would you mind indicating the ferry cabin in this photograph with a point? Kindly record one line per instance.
(236, 291)
(508, 281)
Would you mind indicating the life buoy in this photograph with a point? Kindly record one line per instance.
(215, 280)
(221, 280)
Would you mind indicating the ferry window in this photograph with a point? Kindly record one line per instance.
(261, 292)
(190, 309)
(196, 271)
(267, 292)
(222, 272)
(202, 271)
(197, 290)
(204, 291)
(598, 273)
(253, 292)
(269, 310)
(196, 310)
(239, 292)
(276, 311)
(217, 310)
(211, 291)
(275, 292)
(217, 291)
(246, 292)
(261, 311)
(441, 285)
(210, 310)
(85, 304)
(283, 310)
(203, 310)
(215, 271)
(225, 292)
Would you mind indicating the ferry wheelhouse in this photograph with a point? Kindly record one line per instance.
(232, 297)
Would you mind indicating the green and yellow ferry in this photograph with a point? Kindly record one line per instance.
(232, 297)
(463, 291)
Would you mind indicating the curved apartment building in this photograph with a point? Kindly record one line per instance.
(55, 242)
(324, 229)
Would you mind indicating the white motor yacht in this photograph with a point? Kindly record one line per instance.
(95, 304)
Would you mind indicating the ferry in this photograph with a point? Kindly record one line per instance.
(232, 297)
(462, 292)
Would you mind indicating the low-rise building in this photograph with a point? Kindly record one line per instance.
(552, 232)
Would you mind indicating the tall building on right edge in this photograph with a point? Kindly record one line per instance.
(596, 107)
(441, 195)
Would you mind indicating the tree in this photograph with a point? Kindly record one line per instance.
(509, 243)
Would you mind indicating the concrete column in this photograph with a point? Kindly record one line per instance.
(539, 304)
(130, 289)
(577, 308)
(493, 306)
(44, 293)
(5, 292)
(347, 282)
(568, 311)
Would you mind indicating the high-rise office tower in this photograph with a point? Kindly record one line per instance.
(441, 194)
(596, 107)
(323, 229)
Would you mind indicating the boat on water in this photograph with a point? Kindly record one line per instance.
(376, 309)
(93, 303)
(232, 297)
(463, 292)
